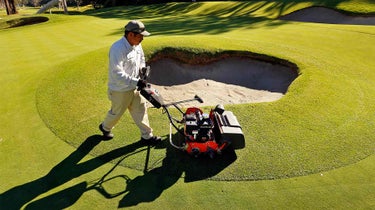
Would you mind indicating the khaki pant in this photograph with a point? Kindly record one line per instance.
(136, 104)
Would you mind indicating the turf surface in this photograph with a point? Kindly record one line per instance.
(57, 71)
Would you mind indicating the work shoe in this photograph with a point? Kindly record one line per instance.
(106, 134)
(151, 141)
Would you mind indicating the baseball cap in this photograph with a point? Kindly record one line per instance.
(137, 27)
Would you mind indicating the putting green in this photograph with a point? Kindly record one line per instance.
(298, 135)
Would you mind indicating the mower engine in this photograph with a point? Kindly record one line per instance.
(198, 126)
(199, 133)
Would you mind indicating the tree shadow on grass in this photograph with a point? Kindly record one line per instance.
(166, 19)
(144, 188)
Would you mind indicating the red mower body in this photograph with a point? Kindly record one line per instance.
(199, 133)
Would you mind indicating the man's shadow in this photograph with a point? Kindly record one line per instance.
(63, 172)
(144, 188)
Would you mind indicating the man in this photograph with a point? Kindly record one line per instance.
(126, 59)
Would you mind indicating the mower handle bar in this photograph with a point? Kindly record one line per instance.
(196, 98)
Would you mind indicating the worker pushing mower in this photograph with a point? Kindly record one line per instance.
(203, 133)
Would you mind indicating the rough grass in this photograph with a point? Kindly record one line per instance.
(324, 122)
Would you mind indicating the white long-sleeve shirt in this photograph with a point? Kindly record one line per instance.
(124, 64)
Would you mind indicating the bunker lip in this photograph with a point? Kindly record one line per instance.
(319, 14)
(226, 78)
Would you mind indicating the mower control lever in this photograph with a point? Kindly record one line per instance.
(199, 99)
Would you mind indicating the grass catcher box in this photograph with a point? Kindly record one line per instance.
(229, 129)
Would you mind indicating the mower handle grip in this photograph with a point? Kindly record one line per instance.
(199, 99)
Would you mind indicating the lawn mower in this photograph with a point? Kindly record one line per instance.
(203, 133)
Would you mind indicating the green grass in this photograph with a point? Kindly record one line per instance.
(317, 141)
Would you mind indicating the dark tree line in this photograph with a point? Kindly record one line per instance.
(11, 5)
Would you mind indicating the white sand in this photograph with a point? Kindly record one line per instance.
(214, 93)
(228, 81)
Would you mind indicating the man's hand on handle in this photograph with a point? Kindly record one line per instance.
(141, 84)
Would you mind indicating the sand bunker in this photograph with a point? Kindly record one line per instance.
(231, 80)
(326, 15)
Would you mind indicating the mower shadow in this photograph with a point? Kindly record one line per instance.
(179, 163)
(150, 186)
